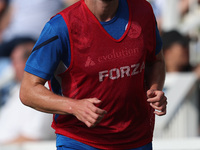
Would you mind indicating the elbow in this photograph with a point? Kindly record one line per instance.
(23, 96)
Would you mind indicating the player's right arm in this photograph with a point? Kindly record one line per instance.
(40, 67)
(34, 94)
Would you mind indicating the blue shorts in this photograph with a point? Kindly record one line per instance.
(65, 143)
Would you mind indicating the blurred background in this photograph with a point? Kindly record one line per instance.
(21, 21)
(179, 25)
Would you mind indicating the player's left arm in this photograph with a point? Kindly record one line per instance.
(155, 77)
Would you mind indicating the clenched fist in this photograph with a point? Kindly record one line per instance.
(86, 111)
(158, 101)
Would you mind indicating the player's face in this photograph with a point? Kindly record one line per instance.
(18, 62)
(179, 56)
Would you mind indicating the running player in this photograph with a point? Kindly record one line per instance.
(106, 71)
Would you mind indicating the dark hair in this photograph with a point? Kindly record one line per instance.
(172, 37)
(5, 8)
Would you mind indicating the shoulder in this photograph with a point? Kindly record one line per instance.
(57, 22)
(58, 25)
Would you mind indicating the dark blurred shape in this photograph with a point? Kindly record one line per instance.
(7, 47)
(3, 6)
(176, 51)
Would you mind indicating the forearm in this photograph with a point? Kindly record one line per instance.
(155, 77)
(36, 95)
(155, 73)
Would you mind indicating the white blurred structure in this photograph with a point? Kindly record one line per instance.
(177, 144)
(45, 145)
(179, 129)
(182, 119)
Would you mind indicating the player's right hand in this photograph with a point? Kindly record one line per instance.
(86, 111)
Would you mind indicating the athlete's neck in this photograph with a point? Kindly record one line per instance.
(104, 10)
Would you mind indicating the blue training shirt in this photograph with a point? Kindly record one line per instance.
(53, 44)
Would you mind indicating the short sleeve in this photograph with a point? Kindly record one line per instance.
(49, 50)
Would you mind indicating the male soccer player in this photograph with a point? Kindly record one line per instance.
(106, 73)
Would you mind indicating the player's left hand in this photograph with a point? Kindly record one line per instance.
(158, 101)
